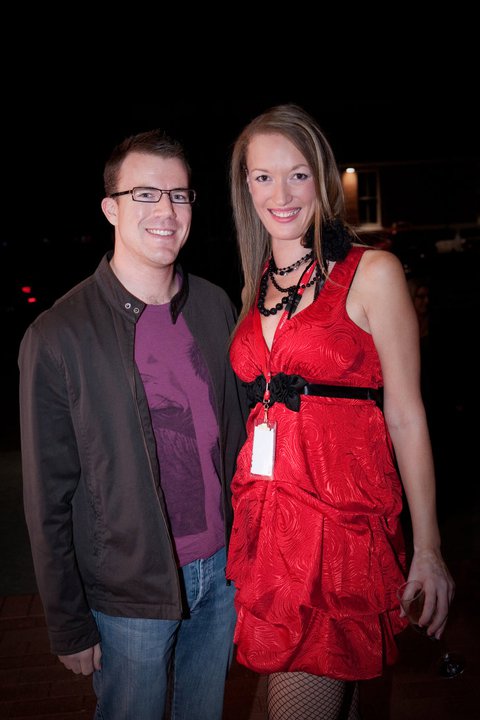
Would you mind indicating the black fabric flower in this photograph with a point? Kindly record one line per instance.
(283, 388)
(255, 390)
(336, 239)
(286, 389)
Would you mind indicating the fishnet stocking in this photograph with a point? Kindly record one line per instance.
(301, 696)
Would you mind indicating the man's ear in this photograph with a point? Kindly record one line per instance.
(110, 209)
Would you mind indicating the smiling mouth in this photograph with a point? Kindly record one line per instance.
(284, 213)
(160, 233)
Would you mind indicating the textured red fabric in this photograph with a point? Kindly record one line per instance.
(317, 551)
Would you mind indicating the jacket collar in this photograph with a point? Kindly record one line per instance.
(131, 306)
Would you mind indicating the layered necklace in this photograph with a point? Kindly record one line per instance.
(291, 298)
(336, 243)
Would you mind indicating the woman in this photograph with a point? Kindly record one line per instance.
(419, 292)
(317, 551)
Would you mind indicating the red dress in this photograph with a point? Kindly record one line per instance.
(317, 552)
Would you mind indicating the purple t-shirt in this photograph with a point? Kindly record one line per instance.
(177, 386)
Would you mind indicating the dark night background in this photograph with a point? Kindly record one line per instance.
(57, 232)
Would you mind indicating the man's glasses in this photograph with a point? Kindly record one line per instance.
(182, 196)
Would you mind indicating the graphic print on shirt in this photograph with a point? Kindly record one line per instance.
(181, 402)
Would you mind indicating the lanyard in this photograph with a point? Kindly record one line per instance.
(286, 315)
(299, 290)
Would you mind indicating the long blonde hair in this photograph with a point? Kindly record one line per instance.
(253, 240)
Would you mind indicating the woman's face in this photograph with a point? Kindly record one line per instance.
(281, 185)
(421, 300)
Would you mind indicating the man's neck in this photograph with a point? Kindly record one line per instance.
(154, 286)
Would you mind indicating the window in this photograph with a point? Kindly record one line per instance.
(368, 198)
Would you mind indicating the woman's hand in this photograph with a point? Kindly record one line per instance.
(429, 567)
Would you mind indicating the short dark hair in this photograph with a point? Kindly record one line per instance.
(151, 142)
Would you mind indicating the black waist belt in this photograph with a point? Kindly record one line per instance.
(287, 389)
(340, 391)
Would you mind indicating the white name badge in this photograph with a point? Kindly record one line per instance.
(263, 452)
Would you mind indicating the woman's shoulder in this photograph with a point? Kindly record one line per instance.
(376, 260)
(366, 261)
(380, 273)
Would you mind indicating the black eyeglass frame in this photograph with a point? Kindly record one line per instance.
(191, 193)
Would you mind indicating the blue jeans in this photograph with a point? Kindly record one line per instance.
(146, 662)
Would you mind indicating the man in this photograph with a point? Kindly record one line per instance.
(131, 420)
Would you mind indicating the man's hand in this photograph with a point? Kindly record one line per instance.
(84, 662)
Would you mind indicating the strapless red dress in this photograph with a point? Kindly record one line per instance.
(317, 551)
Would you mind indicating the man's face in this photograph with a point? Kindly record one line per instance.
(149, 234)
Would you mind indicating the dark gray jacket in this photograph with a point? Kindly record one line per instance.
(92, 494)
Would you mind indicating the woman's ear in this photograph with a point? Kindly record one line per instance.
(110, 209)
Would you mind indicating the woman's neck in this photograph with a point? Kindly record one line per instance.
(284, 256)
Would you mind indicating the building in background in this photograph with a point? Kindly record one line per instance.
(418, 208)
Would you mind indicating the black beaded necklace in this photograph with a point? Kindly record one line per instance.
(289, 268)
(336, 242)
(289, 301)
